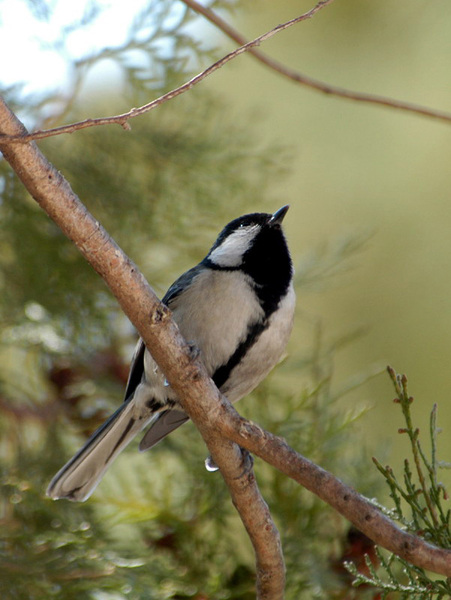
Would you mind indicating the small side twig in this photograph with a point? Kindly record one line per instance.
(316, 84)
(123, 119)
(405, 400)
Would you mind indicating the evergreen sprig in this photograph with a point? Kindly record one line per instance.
(419, 499)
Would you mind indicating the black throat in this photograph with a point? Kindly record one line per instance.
(268, 264)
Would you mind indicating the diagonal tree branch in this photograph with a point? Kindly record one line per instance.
(123, 118)
(218, 422)
(316, 84)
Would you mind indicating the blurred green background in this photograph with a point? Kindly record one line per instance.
(359, 170)
(368, 229)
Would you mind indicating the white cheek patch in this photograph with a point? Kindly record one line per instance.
(230, 252)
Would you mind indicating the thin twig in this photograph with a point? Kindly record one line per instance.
(123, 118)
(400, 384)
(316, 84)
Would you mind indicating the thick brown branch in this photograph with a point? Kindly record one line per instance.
(316, 84)
(123, 118)
(153, 321)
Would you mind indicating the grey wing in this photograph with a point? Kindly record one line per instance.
(181, 284)
(168, 420)
(136, 370)
(164, 423)
(137, 363)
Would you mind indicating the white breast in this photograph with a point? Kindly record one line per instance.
(214, 313)
(265, 353)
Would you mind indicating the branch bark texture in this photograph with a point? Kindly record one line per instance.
(218, 422)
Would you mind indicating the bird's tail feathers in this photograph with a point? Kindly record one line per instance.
(164, 423)
(80, 476)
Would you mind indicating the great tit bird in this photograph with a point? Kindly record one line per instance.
(236, 306)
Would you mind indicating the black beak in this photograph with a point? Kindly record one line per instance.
(278, 216)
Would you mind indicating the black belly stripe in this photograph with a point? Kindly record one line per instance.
(222, 373)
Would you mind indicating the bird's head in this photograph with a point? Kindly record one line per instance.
(255, 244)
